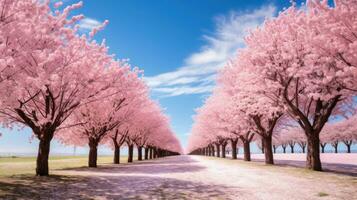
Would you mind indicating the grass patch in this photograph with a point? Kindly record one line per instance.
(10, 166)
(322, 194)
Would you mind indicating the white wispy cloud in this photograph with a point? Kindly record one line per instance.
(87, 24)
(198, 74)
(181, 90)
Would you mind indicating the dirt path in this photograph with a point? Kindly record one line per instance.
(186, 177)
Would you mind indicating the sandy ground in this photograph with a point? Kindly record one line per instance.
(184, 177)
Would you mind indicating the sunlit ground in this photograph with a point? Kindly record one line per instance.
(179, 177)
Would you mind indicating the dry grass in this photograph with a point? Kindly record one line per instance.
(10, 166)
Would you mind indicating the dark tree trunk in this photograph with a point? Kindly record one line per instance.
(312, 126)
(116, 154)
(146, 153)
(322, 148)
(313, 152)
(130, 153)
(335, 146)
(263, 145)
(151, 152)
(246, 147)
(302, 145)
(140, 153)
(348, 148)
(292, 148)
(217, 150)
(42, 157)
(348, 144)
(92, 160)
(274, 148)
(234, 148)
(268, 150)
(224, 150)
(212, 151)
(284, 148)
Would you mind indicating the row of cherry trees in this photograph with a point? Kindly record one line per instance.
(65, 85)
(299, 68)
(342, 132)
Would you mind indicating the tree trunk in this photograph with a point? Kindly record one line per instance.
(146, 153)
(140, 153)
(274, 148)
(130, 153)
(154, 152)
(42, 157)
(284, 149)
(234, 148)
(151, 153)
(335, 146)
(322, 148)
(313, 152)
(302, 147)
(246, 148)
(116, 154)
(217, 150)
(268, 150)
(224, 150)
(263, 145)
(292, 148)
(92, 160)
(348, 148)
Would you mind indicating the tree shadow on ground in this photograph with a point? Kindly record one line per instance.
(158, 166)
(120, 187)
(337, 168)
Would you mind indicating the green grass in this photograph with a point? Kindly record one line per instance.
(10, 166)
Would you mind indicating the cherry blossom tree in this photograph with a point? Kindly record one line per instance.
(253, 98)
(150, 125)
(347, 131)
(53, 85)
(115, 140)
(343, 131)
(43, 86)
(94, 121)
(297, 72)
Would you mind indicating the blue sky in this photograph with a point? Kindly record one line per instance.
(180, 44)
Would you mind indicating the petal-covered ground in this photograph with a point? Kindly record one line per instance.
(184, 177)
